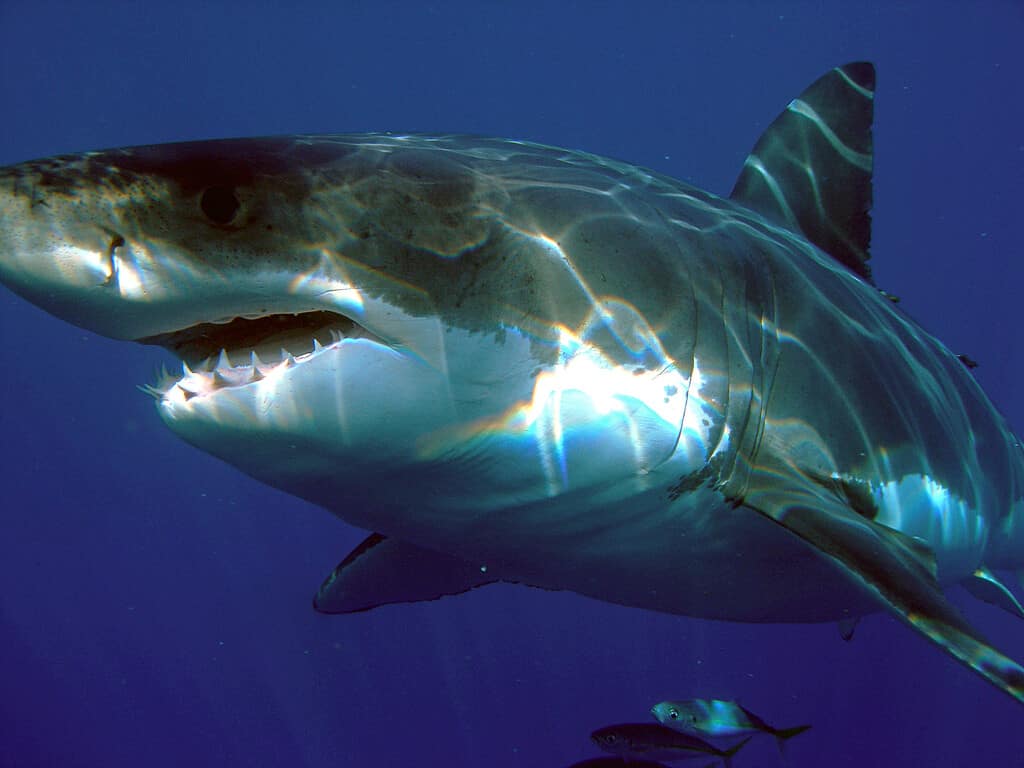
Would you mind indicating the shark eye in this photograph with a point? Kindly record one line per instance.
(219, 204)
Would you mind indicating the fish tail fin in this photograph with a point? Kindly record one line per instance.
(728, 754)
(782, 735)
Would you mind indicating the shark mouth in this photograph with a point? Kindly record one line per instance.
(244, 350)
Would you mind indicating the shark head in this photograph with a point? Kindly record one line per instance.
(358, 318)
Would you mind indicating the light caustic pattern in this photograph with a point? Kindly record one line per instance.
(612, 390)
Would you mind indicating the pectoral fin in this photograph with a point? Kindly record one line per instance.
(381, 571)
(986, 587)
(882, 561)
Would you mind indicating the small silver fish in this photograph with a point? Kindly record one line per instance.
(647, 741)
(714, 717)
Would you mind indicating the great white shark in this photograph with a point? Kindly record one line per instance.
(520, 363)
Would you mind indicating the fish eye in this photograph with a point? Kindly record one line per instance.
(219, 204)
(673, 714)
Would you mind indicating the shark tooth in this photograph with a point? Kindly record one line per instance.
(185, 370)
(317, 346)
(223, 361)
(220, 380)
(189, 394)
(152, 391)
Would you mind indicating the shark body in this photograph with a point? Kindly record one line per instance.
(521, 363)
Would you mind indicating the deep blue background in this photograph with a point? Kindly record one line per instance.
(155, 605)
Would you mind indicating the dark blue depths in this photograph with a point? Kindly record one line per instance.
(155, 605)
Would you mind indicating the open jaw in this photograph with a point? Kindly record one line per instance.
(245, 350)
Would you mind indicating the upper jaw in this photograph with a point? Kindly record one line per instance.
(265, 336)
(243, 350)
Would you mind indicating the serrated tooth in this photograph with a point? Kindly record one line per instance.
(254, 360)
(223, 361)
(256, 375)
(189, 394)
(185, 370)
(287, 359)
(220, 380)
(317, 346)
(163, 379)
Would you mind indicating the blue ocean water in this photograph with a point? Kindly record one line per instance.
(155, 604)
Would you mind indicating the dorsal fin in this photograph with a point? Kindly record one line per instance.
(811, 170)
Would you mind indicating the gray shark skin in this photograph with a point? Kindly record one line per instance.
(521, 363)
